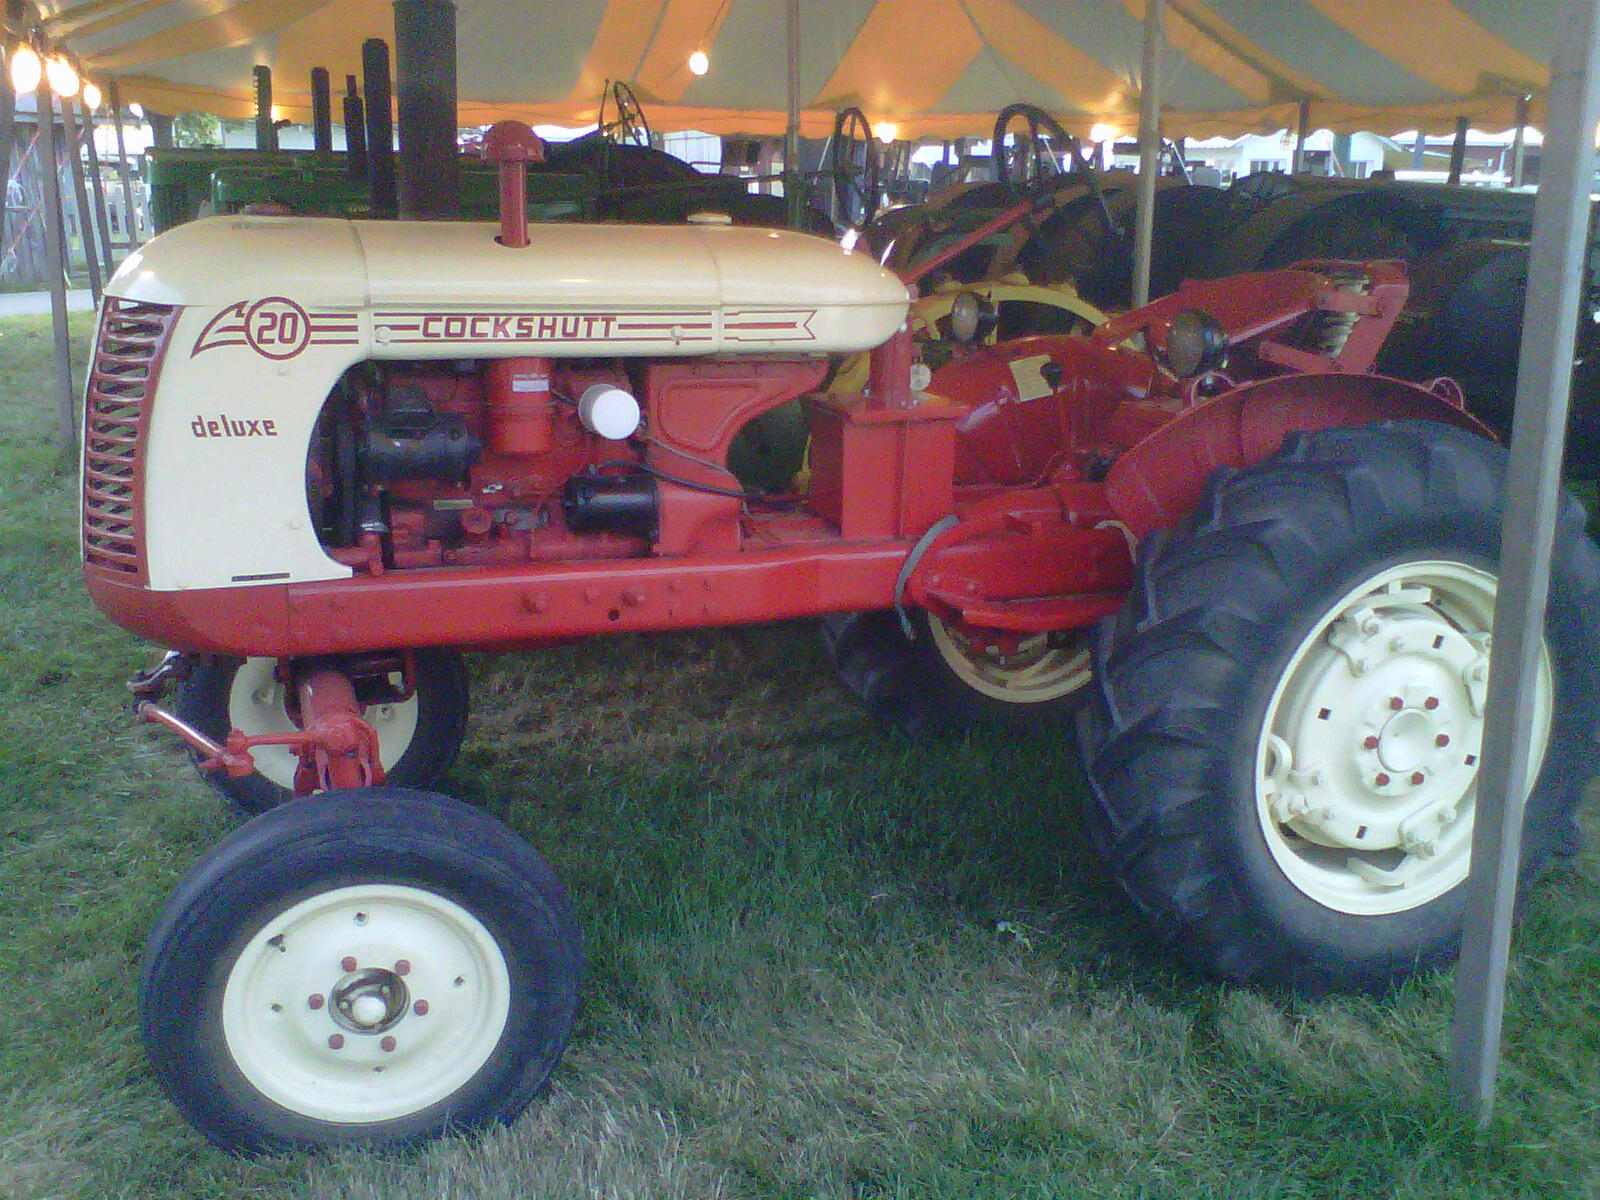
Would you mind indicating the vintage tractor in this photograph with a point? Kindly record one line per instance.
(322, 458)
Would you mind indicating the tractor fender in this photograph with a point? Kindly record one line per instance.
(1160, 478)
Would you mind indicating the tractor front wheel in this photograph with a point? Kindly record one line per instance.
(375, 965)
(1283, 734)
(418, 737)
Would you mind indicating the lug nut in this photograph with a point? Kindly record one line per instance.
(1417, 778)
(387, 1045)
(403, 967)
(1369, 742)
(1382, 780)
(1442, 740)
(420, 1008)
(1431, 702)
(348, 963)
(1396, 703)
(336, 1041)
(314, 1002)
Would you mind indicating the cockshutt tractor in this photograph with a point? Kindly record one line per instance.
(322, 458)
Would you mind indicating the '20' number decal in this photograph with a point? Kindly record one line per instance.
(277, 327)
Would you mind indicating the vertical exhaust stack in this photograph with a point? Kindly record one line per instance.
(380, 126)
(266, 134)
(321, 111)
(355, 132)
(425, 71)
(512, 145)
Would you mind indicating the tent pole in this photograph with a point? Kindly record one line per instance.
(1458, 151)
(80, 194)
(1519, 144)
(791, 135)
(266, 131)
(1149, 148)
(1533, 479)
(129, 208)
(54, 241)
(8, 117)
(1303, 131)
(97, 189)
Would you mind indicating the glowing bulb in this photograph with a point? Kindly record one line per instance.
(26, 69)
(1102, 133)
(137, 110)
(699, 62)
(63, 79)
(91, 95)
(886, 131)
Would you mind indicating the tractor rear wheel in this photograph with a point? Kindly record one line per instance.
(938, 682)
(377, 965)
(1283, 730)
(418, 737)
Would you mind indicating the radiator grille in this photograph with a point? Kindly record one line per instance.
(116, 416)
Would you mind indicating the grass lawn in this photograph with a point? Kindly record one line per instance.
(825, 960)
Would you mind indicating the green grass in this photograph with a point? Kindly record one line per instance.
(824, 960)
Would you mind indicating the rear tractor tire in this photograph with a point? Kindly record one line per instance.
(418, 738)
(1283, 733)
(936, 682)
(376, 966)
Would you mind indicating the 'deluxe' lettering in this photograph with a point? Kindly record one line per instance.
(224, 426)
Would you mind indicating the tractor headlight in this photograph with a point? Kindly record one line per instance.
(971, 316)
(1195, 343)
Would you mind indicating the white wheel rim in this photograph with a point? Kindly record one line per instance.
(256, 702)
(412, 951)
(1035, 673)
(1366, 767)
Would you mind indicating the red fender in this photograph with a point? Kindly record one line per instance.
(1160, 478)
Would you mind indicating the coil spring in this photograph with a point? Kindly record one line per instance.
(1329, 331)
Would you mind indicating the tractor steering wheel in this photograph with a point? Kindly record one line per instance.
(630, 127)
(1033, 153)
(854, 169)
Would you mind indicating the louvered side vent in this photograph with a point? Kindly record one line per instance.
(116, 417)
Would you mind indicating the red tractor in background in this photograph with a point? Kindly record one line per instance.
(322, 458)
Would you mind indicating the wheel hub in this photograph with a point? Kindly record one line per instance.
(369, 1001)
(1368, 761)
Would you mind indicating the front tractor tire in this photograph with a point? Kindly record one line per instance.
(1282, 734)
(937, 682)
(418, 738)
(375, 965)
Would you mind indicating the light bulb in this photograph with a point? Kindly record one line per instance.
(26, 69)
(63, 79)
(1102, 133)
(137, 110)
(886, 131)
(699, 62)
(91, 95)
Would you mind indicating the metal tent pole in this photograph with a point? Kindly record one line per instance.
(266, 131)
(129, 204)
(791, 135)
(55, 240)
(1458, 151)
(1149, 148)
(1544, 379)
(1519, 144)
(80, 194)
(1302, 132)
(97, 189)
(7, 134)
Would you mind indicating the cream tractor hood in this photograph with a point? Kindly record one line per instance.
(415, 289)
